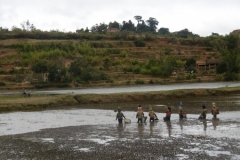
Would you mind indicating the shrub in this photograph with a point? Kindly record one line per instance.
(151, 82)
(139, 81)
(2, 84)
(139, 43)
(42, 85)
(62, 85)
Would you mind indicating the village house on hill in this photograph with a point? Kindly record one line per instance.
(209, 64)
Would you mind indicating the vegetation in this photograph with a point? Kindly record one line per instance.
(141, 54)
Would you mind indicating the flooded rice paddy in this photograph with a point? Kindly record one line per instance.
(95, 134)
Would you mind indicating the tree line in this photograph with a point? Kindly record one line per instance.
(143, 26)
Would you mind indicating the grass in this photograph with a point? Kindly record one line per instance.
(38, 102)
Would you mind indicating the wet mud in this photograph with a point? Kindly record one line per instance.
(91, 132)
(95, 134)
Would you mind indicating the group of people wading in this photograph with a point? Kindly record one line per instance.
(152, 115)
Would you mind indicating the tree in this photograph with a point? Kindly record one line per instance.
(106, 64)
(139, 19)
(142, 27)
(114, 25)
(128, 26)
(190, 64)
(40, 67)
(87, 30)
(26, 25)
(152, 23)
(102, 27)
(54, 73)
(230, 55)
(75, 68)
(163, 31)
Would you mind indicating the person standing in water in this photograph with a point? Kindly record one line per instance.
(120, 116)
(140, 115)
(214, 110)
(204, 112)
(168, 113)
(151, 114)
(182, 113)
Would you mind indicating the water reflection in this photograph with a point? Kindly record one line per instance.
(169, 127)
(120, 129)
(181, 123)
(151, 126)
(204, 125)
(140, 128)
(215, 122)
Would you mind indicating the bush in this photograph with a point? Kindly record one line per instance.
(2, 84)
(139, 81)
(42, 85)
(62, 85)
(139, 43)
(151, 82)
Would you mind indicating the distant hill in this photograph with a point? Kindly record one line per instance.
(134, 59)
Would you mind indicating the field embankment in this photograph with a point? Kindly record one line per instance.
(103, 101)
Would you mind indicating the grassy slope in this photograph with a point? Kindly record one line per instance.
(154, 49)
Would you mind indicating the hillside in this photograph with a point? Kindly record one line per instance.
(117, 59)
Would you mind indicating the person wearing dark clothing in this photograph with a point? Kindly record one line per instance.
(120, 116)
(204, 112)
(182, 113)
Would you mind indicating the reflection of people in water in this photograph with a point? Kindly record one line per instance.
(181, 122)
(169, 127)
(140, 128)
(120, 128)
(215, 122)
(204, 125)
(151, 125)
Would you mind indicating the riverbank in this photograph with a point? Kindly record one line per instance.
(127, 101)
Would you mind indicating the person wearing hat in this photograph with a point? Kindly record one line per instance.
(140, 114)
(168, 113)
(139, 107)
(214, 110)
(204, 112)
(151, 114)
(120, 116)
(182, 113)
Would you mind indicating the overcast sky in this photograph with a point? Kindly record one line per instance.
(201, 17)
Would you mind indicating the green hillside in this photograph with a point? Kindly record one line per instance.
(43, 60)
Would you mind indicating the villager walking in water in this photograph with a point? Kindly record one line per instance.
(214, 110)
(140, 115)
(204, 112)
(151, 114)
(168, 113)
(182, 113)
(120, 116)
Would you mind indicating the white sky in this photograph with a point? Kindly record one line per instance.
(201, 17)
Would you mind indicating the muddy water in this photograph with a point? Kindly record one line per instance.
(80, 133)
(95, 134)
